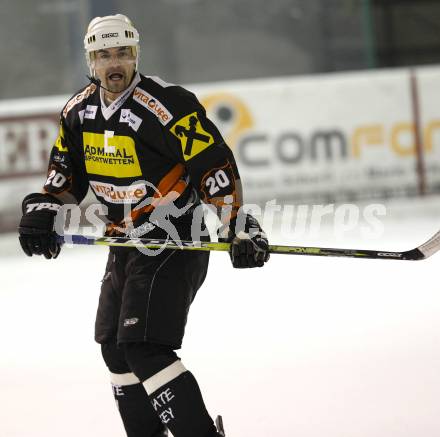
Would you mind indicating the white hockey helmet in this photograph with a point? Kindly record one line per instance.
(110, 31)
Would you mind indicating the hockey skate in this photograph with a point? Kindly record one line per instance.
(219, 426)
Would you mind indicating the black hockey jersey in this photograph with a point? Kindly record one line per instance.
(153, 140)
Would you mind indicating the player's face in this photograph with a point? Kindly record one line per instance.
(115, 67)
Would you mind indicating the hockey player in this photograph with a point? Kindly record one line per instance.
(130, 138)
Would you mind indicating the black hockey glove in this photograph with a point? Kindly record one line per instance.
(249, 245)
(36, 233)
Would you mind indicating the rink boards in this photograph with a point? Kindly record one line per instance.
(322, 138)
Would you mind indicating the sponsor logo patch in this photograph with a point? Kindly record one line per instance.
(193, 138)
(390, 254)
(110, 35)
(110, 155)
(40, 206)
(131, 322)
(58, 158)
(131, 119)
(153, 105)
(124, 115)
(90, 111)
(79, 98)
(119, 194)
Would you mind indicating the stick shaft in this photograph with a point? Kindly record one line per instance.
(413, 254)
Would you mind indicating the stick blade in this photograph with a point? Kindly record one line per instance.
(431, 246)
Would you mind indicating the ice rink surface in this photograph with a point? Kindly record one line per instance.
(306, 347)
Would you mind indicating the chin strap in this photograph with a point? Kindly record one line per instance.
(98, 83)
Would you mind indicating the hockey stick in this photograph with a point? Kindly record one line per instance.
(421, 252)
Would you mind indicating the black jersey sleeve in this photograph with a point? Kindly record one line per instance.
(197, 143)
(66, 171)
